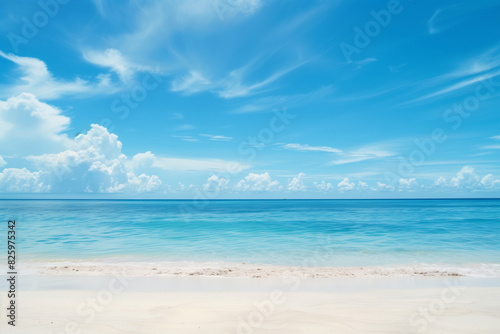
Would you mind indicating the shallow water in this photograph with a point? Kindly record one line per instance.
(292, 232)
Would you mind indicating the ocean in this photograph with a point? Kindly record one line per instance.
(312, 233)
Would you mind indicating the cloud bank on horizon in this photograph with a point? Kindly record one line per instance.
(250, 99)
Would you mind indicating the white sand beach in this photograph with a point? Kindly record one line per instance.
(139, 304)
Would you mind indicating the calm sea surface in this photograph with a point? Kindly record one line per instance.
(284, 232)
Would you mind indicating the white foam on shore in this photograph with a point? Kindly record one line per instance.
(214, 269)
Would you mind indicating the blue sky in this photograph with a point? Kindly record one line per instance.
(250, 99)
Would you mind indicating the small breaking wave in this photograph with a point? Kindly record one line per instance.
(215, 269)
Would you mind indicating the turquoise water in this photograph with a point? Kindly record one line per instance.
(291, 232)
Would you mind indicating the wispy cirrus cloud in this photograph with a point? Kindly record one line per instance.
(148, 160)
(446, 17)
(190, 83)
(458, 86)
(368, 152)
(492, 147)
(177, 115)
(234, 84)
(481, 63)
(268, 103)
(480, 68)
(432, 24)
(216, 137)
(184, 164)
(304, 148)
(184, 127)
(116, 62)
(186, 138)
(230, 85)
(372, 151)
(163, 27)
(362, 63)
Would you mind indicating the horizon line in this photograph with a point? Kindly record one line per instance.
(249, 199)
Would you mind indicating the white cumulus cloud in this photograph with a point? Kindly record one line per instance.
(31, 127)
(489, 181)
(215, 184)
(95, 163)
(345, 185)
(440, 182)
(323, 186)
(258, 182)
(468, 179)
(36, 78)
(465, 178)
(21, 180)
(384, 187)
(297, 183)
(407, 184)
(362, 186)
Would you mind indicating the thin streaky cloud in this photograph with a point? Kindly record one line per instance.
(268, 103)
(396, 68)
(233, 86)
(185, 127)
(216, 137)
(431, 24)
(484, 62)
(492, 147)
(305, 148)
(457, 86)
(368, 152)
(196, 73)
(182, 164)
(349, 160)
(186, 138)
(177, 115)
(483, 66)
(447, 17)
(362, 63)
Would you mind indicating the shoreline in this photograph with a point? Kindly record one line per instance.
(255, 271)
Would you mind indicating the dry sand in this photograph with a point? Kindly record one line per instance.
(73, 304)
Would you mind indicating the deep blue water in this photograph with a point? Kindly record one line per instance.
(291, 232)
